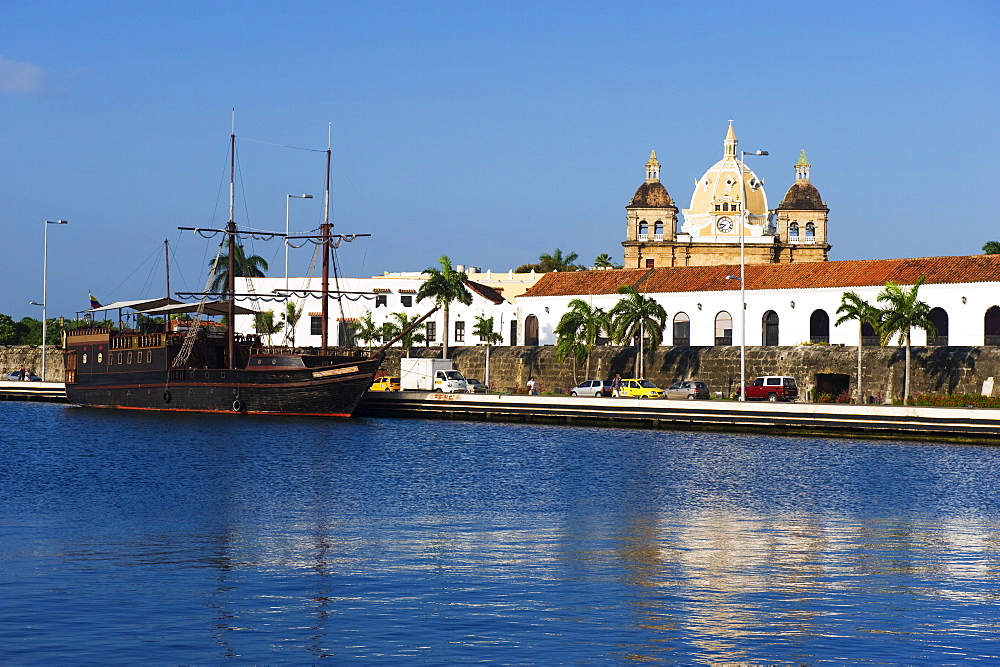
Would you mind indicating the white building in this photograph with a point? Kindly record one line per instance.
(381, 296)
(786, 304)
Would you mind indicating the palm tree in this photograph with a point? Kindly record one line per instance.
(484, 329)
(247, 267)
(557, 262)
(264, 324)
(604, 261)
(402, 323)
(444, 285)
(365, 330)
(637, 316)
(854, 308)
(292, 315)
(577, 332)
(904, 313)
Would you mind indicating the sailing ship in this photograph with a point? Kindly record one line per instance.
(199, 365)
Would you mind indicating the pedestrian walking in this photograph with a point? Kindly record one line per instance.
(616, 385)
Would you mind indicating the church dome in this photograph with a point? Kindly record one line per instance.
(802, 196)
(729, 185)
(651, 195)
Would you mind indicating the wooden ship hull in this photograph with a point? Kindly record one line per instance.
(135, 371)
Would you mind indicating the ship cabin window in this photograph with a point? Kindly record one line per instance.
(316, 326)
(149, 356)
(380, 300)
(119, 358)
(407, 301)
(459, 332)
(430, 332)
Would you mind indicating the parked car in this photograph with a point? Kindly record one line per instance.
(476, 387)
(689, 389)
(639, 388)
(16, 377)
(592, 388)
(385, 383)
(772, 388)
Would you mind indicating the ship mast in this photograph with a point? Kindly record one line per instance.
(231, 240)
(325, 310)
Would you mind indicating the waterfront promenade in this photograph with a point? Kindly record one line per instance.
(910, 422)
(846, 420)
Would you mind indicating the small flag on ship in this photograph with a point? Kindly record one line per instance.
(94, 303)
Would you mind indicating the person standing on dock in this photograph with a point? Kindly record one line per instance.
(616, 385)
(532, 386)
(21, 373)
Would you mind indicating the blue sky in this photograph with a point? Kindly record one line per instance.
(490, 132)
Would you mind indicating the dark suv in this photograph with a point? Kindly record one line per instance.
(773, 388)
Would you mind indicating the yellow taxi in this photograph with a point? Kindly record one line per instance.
(385, 383)
(639, 388)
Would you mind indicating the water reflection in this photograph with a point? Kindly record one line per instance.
(298, 540)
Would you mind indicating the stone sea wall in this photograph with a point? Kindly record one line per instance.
(936, 370)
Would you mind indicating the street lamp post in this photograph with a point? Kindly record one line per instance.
(743, 286)
(288, 199)
(45, 275)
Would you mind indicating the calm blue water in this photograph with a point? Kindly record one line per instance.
(132, 538)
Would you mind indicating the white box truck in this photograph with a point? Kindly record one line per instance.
(430, 375)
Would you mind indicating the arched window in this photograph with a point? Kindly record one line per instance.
(770, 328)
(939, 318)
(723, 328)
(643, 230)
(819, 327)
(991, 326)
(682, 329)
(793, 231)
(531, 330)
(810, 232)
(658, 231)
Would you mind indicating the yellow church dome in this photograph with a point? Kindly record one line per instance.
(722, 192)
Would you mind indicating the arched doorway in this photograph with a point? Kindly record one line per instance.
(770, 328)
(819, 327)
(531, 330)
(682, 329)
(939, 318)
(723, 328)
(991, 326)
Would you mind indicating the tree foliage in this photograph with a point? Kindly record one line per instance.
(636, 317)
(401, 324)
(291, 315)
(854, 308)
(577, 333)
(443, 286)
(604, 261)
(365, 330)
(484, 329)
(265, 324)
(247, 267)
(992, 248)
(903, 313)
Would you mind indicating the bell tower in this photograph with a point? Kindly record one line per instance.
(802, 218)
(651, 222)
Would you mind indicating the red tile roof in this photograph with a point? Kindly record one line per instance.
(484, 291)
(845, 274)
